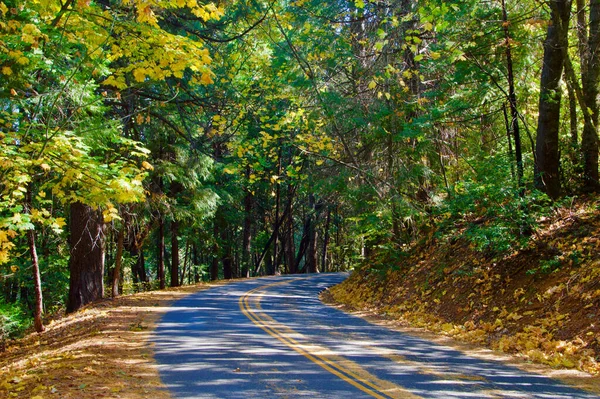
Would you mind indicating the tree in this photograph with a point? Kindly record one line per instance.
(547, 144)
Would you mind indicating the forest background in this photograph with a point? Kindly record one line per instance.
(147, 144)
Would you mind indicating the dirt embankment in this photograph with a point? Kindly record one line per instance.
(542, 302)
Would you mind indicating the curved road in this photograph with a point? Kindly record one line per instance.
(273, 338)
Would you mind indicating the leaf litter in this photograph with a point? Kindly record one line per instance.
(101, 351)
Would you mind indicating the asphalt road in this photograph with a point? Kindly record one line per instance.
(273, 338)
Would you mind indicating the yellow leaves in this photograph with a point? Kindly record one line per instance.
(110, 213)
(372, 84)
(139, 74)
(30, 34)
(115, 81)
(206, 79)
(230, 170)
(519, 292)
(147, 166)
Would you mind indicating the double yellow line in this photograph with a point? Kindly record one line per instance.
(346, 370)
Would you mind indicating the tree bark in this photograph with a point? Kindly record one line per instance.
(547, 177)
(118, 263)
(572, 120)
(325, 241)
(289, 236)
(512, 100)
(214, 267)
(247, 232)
(311, 255)
(590, 80)
(174, 253)
(86, 263)
(38, 309)
(160, 254)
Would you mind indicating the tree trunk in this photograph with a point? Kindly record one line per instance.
(590, 80)
(547, 176)
(247, 234)
(303, 243)
(214, 267)
(38, 309)
(86, 263)
(311, 255)
(512, 101)
(572, 121)
(325, 242)
(227, 258)
(227, 267)
(118, 263)
(160, 253)
(289, 239)
(174, 253)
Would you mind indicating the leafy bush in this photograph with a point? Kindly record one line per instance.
(13, 321)
(488, 205)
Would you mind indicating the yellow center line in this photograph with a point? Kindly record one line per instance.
(345, 369)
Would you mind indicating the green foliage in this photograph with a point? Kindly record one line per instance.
(13, 321)
(491, 212)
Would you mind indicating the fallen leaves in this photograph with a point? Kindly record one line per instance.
(542, 302)
(98, 352)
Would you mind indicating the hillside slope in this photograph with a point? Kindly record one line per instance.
(542, 302)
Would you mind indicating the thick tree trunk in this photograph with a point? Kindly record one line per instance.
(116, 277)
(547, 144)
(289, 241)
(590, 80)
(227, 267)
(174, 253)
(133, 245)
(303, 243)
(86, 263)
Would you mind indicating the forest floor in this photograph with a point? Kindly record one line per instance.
(101, 351)
(540, 304)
